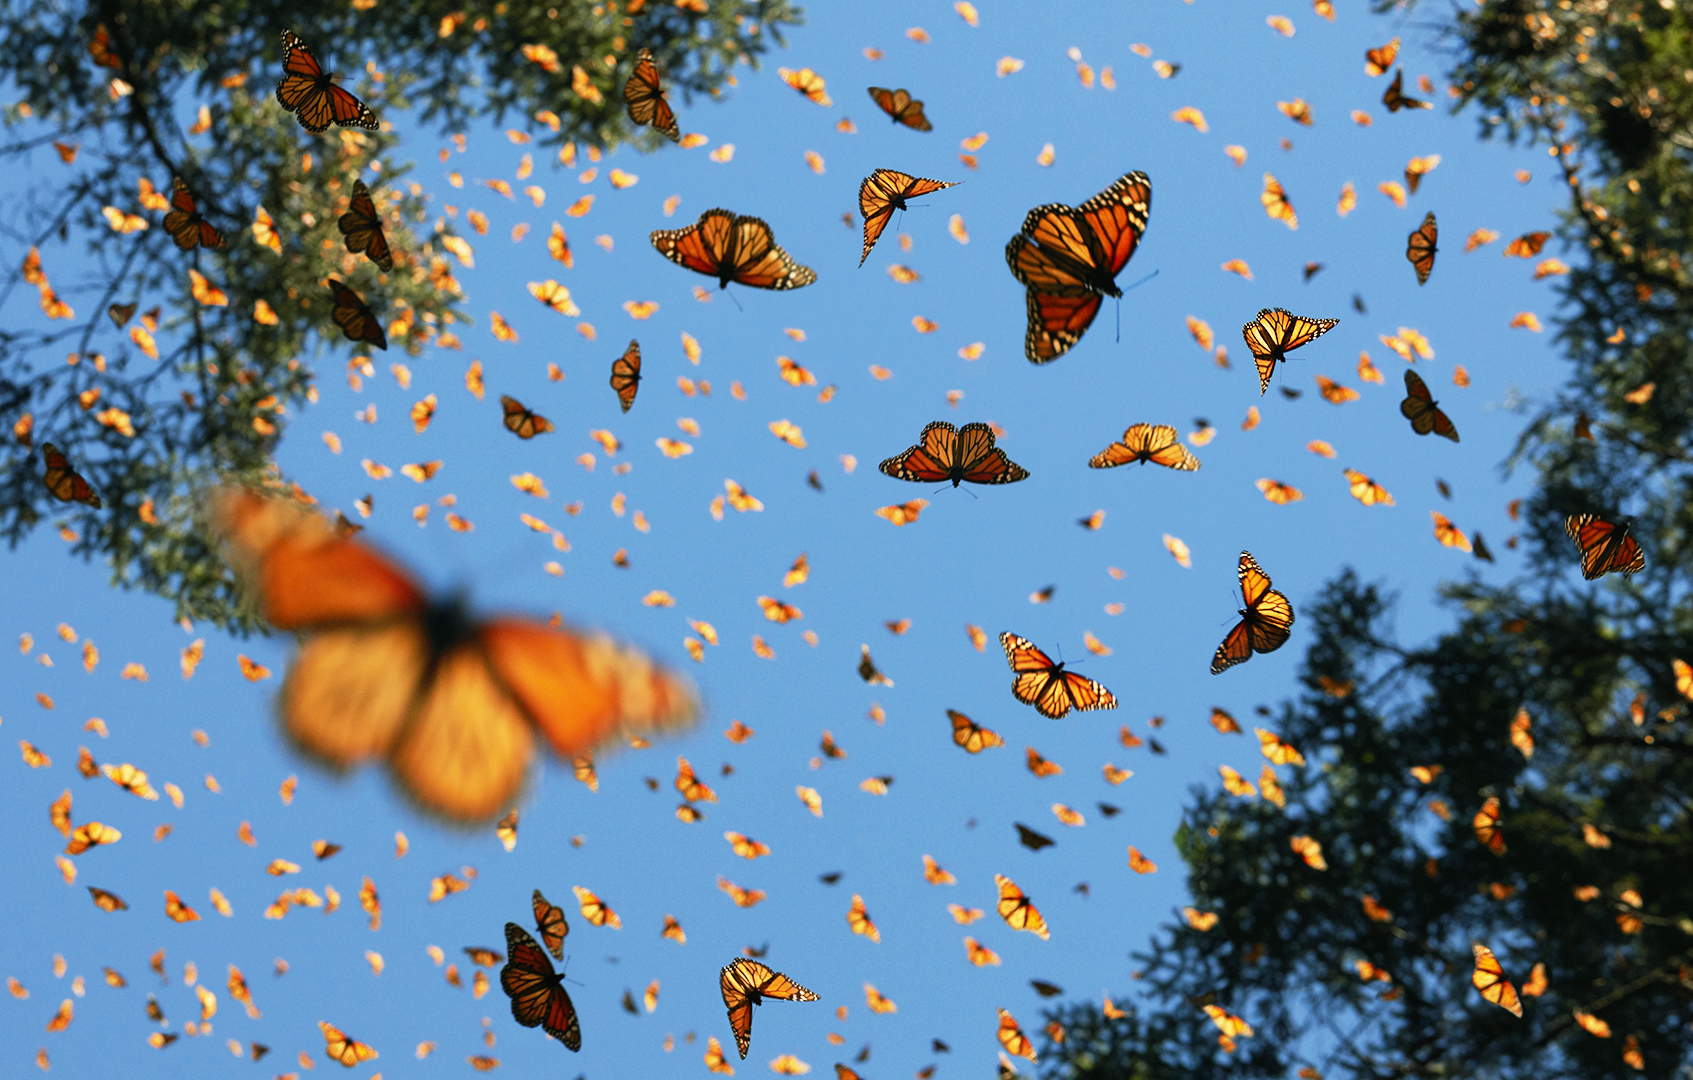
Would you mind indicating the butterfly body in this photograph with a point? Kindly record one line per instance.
(312, 96)
(1043, 683)
(885, 191)
(732, 247)
(1265, 622)
(1069, 259)
(1275, 332)
(538, 997)
(1605, 546)
(946, 453)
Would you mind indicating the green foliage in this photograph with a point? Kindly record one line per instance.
(152, 434)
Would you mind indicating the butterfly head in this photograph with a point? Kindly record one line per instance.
(448, 623)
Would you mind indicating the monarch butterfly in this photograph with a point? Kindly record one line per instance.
(1487, 826)
(1419, 408)
(363, 229)
(520, 421)
(339, 1047)
(1069, 259)
(1031, 839)
(810, 84)
(1157, 443)
(1377, 61)
(1420, 249)
(100, 49)
(312, 96)
(746, 983)
(1274, 198)
(1605, 546)
(1367, 491)
(1527, 246)
(354, 316)
(1012, 1038)
(550, 924)
(1017, 910)
(899, 105)
(1265, 623)
(184, 222)
(971, 736)
(1228, 1023)
(1489, 978)
(1275, 332)
(1046, 685)
(538, 997)
(885, 191)
(107, 901)
(643, 96)
(595, 910)
(858, 919)
(1394, 98)
(453, 704)
(63, 482)
(626, 375)
(1281, 753)
(732, 247)
(957, 454)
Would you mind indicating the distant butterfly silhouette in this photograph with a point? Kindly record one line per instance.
(1046, 685)
(1394, 98)
(1420, 249)
(626, 374)
(885, 191)
(64, 482)
(185, 224)
(957, 454)
(354, 316)
(899, 105)
(732, 247)
(1265, 623)
(520, 421)
(1274, 333)
(1157, 443)
(363, 229)
(538, 997)
(644, 97)
(312, 96)
(746, 983)
(1605, 546)
(1419, 408)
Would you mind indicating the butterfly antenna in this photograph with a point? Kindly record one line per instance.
(737, 303)
(1141, 282)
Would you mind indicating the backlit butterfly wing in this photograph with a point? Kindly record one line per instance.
(1605, 546)
(1419, 408)
(520, 421)
(732, 247)
(931, 460)
(1046, 685)
(643, 95)
(185, 224)
(899, 105)
(363, 228)
(538, 997)
(339, 1047)
(354, 316)
(746, 983)
(1489, 978)
(312, 96)
(1377, 61)
(550, 924)
(63, 482)
(1420, 249)
(626, 375)
(595, 910)
(808, 83)
(1016, 909)
(1265, 622)
(1394, 97)
(970, 735)
(1274, 333)
(1157, 443)
(883, 192)
(1488, 827)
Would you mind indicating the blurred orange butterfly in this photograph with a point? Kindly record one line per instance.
(885, 191)
(1275, 332)
(1157, 443)
(746, 983)
(1012, 1038)
(810, 84)
(1605, 546)
(339, 1047)
(520, 421)
(1420, 249)
(100, 49)
(595, 910)
(1265, 623)
(1489, 978)
(1367, 491)
(1394, 97)
(312, 96)
(184, 223)
(63, 482)
(1419, 408)
(899, 105)
(452, 704)
(1046, 685)
(971, 736)
(946, 453)
(354, 316)
(1069, 259)
(1527, 245)
(538, 997)
(732, 247)
(1487, 826)
(363, 228)
(643, 96)
(626, 375)
(1017, 910)
(550, 924)
(1377, 61)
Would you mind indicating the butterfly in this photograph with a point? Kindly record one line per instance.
(1527, 245)
(63, 482)
(1489, 978)
(1487, 826)
(1377, 61)
(1265, 623)
(453, 704)
(1031, 839)
(1367, 491)
(1046, 685)
(185, 224)
(643, 96)
(312, 96)
(538, 997)
(971, 736)
(858, 919)
(100, 49)
(107, 901)
(363, 229)
(1419, 408)
(550, 924)
(1275, 203)
(595, 910)
(810, 84)
(1605, 546)
(520, 421)
(339, 1047)
(1157, 443)
(354, 316)
(1016, 909)
(626, 375)
(899, 105)
(1012, 1038)
(732, 247)
(1069, 259)
(1275, 332)
(746, 983)
(1394, 98)
(885, 191)
(1420, 249)
(957, 454)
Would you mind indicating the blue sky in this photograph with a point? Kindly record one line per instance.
(966, 561)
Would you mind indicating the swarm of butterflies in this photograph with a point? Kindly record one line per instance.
(456, 707)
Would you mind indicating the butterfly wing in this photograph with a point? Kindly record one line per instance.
(1084, 693)
(1236, 648)
(1269, 615)
(981, 461)
(626, 375)
(1489, 978)
(348, 111)
(931, 460)
(1052, 251)
(1118, 217)
(1420, 248)
(1161, 445)
(1605, 547)
(701, 247)
(1056, 322)
(760, 262)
